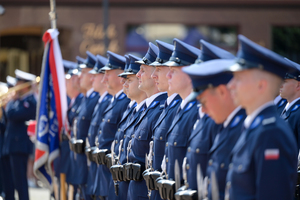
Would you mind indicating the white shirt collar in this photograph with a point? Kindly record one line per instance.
(102, 97)
(201, 114)
(289, 105)
(171, 98)
(116, 95)
(72, 102)
(183, 103)
(231, 115)
(89, 92)
(253, 115)
(150, 99)
(137, 108)
(277, 99)
(131, 103)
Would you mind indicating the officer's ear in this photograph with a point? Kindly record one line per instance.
(298, 86)
(222, 90)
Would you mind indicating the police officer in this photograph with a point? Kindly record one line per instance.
(111, 117)
(210, 88)
(170, 107)
(143, 128)
(97, 116)
(182, 125)
(264, 160)
(289, 91)
(17, 144)
(137, 96)
(80, 170)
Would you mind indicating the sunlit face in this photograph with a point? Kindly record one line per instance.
(97, 84)
(112, 80)
(146, 83)
(243, 87)
(159, 76)
(288, 88)
(178, 80)
(123, 80)
(86, 79)
(131, 84)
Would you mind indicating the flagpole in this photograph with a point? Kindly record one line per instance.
(52, 14)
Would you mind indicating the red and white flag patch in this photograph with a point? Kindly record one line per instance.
(271, 154)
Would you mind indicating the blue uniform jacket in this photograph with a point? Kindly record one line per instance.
(2, 129)
(178, 135)
(264, 160)
(281, 105)
(80, 171)
(107, 130)
(223, 144)
(292, 116)
(92, 134)
(17, 113)
(199, 144)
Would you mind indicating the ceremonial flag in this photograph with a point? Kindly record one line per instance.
(51, 110)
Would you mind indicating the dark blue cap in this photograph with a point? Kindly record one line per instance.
(133, 67)
(164, 54)
(183, 54)
(100, 62)
(293, 74)
(80, 60)
(211, 52)
(115, 61)
(89, 62)
(69, 65)
(150, 55)
(254, 56)
(208, 74)
(126, 66)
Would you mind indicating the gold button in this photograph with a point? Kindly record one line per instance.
(139, 137)
(187, 166)
(222, 165)
(160, 138)
(175, 143)
(108, 120)
(124, 136)
(210, 162)
(189, 149)
(116, 141)
(167, 159)
(240, 167)
(166, 144)
(197, 150)
(100, 131)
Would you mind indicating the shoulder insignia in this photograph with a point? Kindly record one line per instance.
(153, 104)
(236, 121)
(92, 95)
(269, 121)
(189, 106)
(256, 122)
(122, 96)
(105, 98)
(26, 104)
(80, 95)
(162, 106)
(198, 105)
(281, 103)
(195, 125)
(174, 103)
(295, 108)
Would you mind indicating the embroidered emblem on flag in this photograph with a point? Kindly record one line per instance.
(272, 154)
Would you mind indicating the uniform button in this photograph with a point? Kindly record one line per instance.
(167, 159)
(189, 149)
(197, 150)
(73, 109)
(210, 162)
(116, 141)
(122, 149)
(230, 165)
(139, 137)
(160, 138)
(103, 119)
(240, 167)
(108, 120)
(100, 132)
(83, 117)
(119, 130)
(132, 136)
(166, 144)
(222, 165)
(175, 143)
(187, 166)
(124, 136)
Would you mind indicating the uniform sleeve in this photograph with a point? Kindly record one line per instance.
(275, 165)
(23, 111)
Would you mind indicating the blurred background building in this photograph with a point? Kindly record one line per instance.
(274, 24)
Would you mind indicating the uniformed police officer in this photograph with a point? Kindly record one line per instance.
(182, 125)
(264, 160)
(111, 117)
(17, 144)
(210, 88)
(82, 124)
(97, 116)
(290, 91)
(143, 128)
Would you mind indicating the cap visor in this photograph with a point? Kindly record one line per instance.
(68, 76)
(93, 72)
(82, 66)
(235, 68)
(105, 68)
(126, 74)
(171, 64)
(140, 62)
(154, 64)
